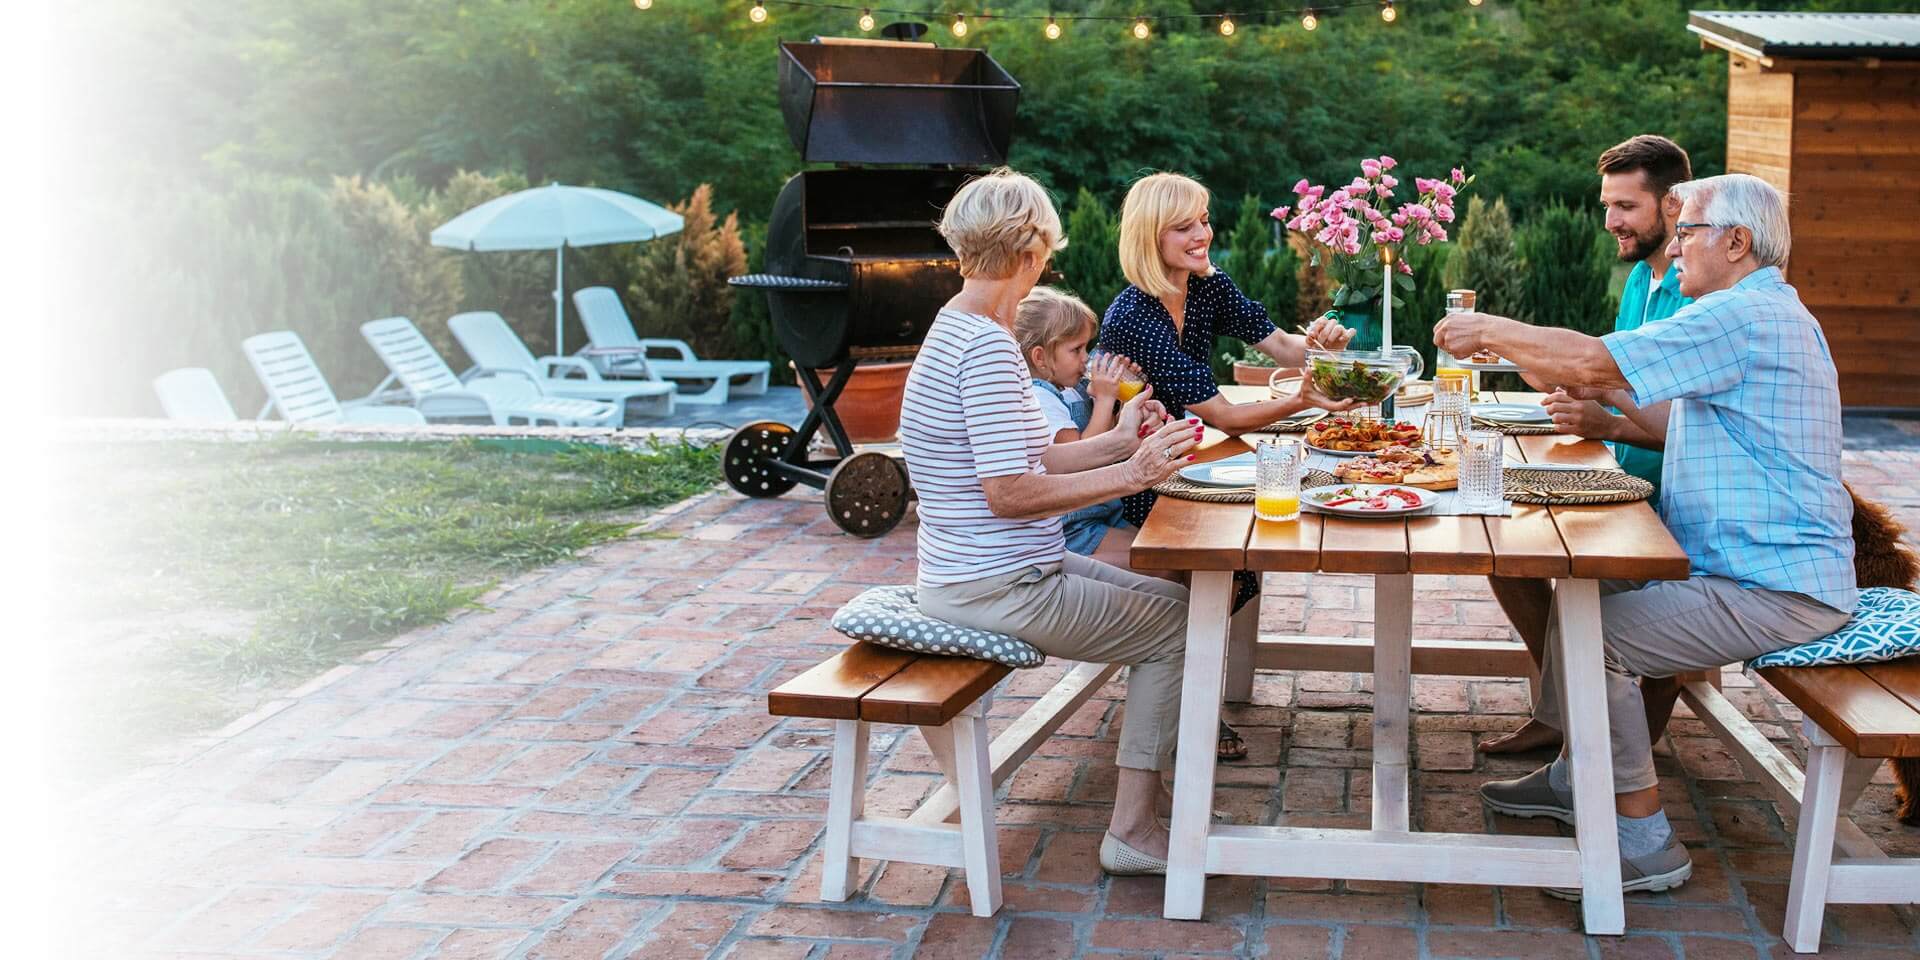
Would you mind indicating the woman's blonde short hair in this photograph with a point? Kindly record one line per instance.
(1153, 204)
(994, 219)
(1047, 316)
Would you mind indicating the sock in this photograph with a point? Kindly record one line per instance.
(1559, 775)
(1640, 836)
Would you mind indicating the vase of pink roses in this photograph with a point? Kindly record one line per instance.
(1360, 231)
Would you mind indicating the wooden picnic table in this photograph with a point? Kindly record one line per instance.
(1576, 546)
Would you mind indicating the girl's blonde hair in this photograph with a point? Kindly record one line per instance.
(1048, 316)
(992, 220)
(1153, 204)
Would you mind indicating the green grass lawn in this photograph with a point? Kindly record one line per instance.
(197, 578)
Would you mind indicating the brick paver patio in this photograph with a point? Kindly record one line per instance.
(588, 770)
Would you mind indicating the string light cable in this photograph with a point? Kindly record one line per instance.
(1140, 26)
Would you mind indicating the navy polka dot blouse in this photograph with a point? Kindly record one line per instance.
(1138, 327)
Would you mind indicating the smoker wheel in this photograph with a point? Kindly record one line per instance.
(749, 450)
(867, 494)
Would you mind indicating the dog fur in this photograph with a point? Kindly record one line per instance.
(1882, 559)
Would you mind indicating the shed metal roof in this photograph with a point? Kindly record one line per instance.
(1811, 36)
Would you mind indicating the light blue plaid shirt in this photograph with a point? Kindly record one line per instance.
(1751, 484)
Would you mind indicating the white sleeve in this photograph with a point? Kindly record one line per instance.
(1055, 410)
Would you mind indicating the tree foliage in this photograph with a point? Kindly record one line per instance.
(1566, 268)
(1484, 260)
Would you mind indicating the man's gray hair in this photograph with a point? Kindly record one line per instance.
(1744, 200)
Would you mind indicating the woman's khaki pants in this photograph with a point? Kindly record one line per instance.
(1082, 609)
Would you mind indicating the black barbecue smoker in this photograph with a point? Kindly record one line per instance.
(855, 269)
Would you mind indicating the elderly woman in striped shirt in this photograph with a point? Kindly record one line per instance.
(993, 486)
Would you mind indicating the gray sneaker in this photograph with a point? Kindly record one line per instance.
(1663, 869)
(1529, 796)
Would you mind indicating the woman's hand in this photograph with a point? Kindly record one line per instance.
(1162, 452)
(1104, 373)
(1138, 417)
(1327, 333)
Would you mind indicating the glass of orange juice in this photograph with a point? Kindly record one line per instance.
(1276, 484)
(1128, 388)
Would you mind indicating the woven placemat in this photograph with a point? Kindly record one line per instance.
(1181, 489)
(1514, 429)
(1566, 487)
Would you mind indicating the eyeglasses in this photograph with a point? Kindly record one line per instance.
(1683, 225)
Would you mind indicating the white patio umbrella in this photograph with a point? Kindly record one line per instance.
(555, 217)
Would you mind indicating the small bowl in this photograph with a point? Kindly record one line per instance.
(1368, 376)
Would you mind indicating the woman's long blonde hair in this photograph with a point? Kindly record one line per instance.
(1153, 204)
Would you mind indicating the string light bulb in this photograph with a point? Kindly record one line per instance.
(1226, 26)
(758, 14)
(1309, 22)
(866, 21)
(1475, 3)
(1053, 29)
(959, 24)
(1387, 13)
(1140, 29)
(643, 4)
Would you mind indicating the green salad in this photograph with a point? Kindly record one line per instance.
(1353, 381)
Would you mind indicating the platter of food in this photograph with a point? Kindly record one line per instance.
(1420, 467)
(1486, 362)
(1368, 500)
(1348, 437)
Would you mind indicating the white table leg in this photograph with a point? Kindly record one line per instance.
(1813, 843)
(1243, 637)
(1583, 676)
(1392, 694)
(1209, 605)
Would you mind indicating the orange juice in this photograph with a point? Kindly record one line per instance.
(1128, 389)
(1280, 507)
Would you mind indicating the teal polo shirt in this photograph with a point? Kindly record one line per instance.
(1640, 303)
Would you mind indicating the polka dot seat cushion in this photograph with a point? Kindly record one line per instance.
(887, 616)
(1885, 626)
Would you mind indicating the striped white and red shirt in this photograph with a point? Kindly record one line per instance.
(968, 414)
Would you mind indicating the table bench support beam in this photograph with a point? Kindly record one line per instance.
(1393, 856)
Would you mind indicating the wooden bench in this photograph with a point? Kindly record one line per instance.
(1855, 718)
(948, 699)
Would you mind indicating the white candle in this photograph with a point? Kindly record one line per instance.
(1386, 309)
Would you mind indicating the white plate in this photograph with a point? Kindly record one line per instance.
(1311, 499)
(1504, 366)
(1231, 472)
(1512, 412)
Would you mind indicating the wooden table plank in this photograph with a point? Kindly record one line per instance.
(1190, 535)
(1527, 544)
(1620, 540)
(832, 689)
(1449, 545)
(1559, 449)
(1862, 715)
(931, 690)
(1350, 545)
(1289, 547)
(1900, 677)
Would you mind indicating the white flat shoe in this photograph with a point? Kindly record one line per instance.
(1121, 860)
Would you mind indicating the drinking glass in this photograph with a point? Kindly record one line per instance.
(1447, 419)
(1276, 484)
(1482, 462)
(1129, 387)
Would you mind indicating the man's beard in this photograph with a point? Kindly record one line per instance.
(1647, 244)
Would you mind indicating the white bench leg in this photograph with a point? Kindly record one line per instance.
(846, 802)
(1813, 844)
(979, 837)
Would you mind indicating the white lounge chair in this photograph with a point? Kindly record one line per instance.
(300, 393)
(191, 393)
(505, 397)
(494, 346)
(617, 351)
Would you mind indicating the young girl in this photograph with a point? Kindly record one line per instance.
(1079, 398)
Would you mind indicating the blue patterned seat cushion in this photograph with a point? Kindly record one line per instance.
(1885, 626)
(888, 616)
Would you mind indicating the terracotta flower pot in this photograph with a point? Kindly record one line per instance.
(869, 407)
(1250, 374)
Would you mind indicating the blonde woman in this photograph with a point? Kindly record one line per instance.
(993, 486)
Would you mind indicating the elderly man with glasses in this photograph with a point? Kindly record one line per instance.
(1741, 386)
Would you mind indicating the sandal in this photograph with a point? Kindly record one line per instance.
(1231, 747)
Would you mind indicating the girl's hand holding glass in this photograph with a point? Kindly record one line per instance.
(1104, 373)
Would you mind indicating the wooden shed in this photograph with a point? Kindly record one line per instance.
(1826, 107)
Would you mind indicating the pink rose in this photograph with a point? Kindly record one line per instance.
(1405, 267)
(1303, 186)
(1383, 191)
(1389, 181)
(1444, 212)
(1279, 213)
(1380, 237)
(1359, 185)
(1444, 192)
(1370, 167)
(1399, 218)
(1424, 185)
(1459, 177)
(1396, 234)
(1388, 163)
(1315, 192)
